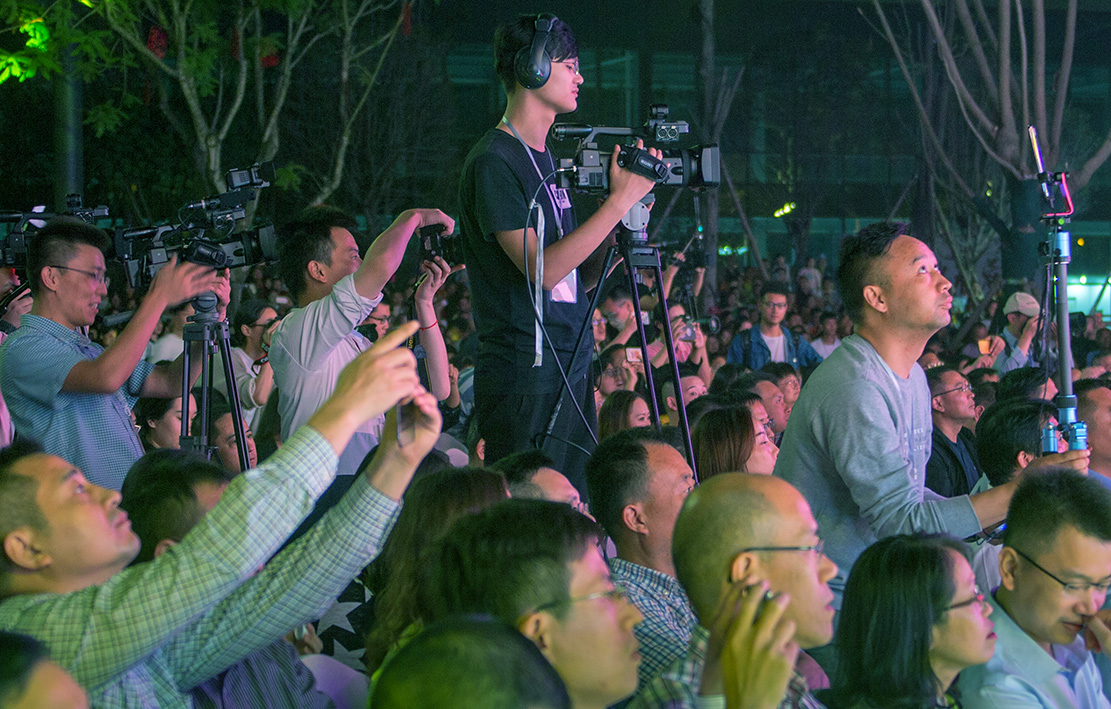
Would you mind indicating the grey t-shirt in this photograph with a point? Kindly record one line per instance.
(856, 447)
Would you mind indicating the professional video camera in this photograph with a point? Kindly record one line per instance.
(588, 170)
(13, 243)
(207, 236)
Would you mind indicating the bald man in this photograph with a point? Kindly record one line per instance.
(745, 529)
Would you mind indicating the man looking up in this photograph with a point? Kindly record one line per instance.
(768, 341)
(517, 384)
(637, 483)
(144, 636)
(535, 564)
(858, 442)
(335, 290)
(952, 468)
(1055, 565)
(753, 531)
(70, 394)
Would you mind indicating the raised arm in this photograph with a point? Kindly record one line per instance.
(385, 254)
(433, 275)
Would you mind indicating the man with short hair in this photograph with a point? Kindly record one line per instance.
(618, 310)
(1093, 407)
(768, 341)
(858, 442)
(693, 388)
(951, 469)
(535, 564)
(29, 680)
(336, 289)
(143, 636)
(827, 340)
(637, 483)
(775, 403)
(70, 394)
(748, 530)
(1055, 564)
(469, 661)
(531, 475)
(1026, 383)
(1022, 311)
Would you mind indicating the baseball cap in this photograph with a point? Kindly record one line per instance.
(1022, 303)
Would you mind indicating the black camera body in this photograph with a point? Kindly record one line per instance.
(433, 243)
(588, 170)
(13, 244)
(209, 238)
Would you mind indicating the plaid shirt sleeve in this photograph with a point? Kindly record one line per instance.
(298, 585)
(99, 632)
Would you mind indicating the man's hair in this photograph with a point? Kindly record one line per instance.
(1006, 429)
(775, 288)
(159, 497)
(980, 374)
(507, 560)
(519, 470)
(1046, 503)
(618, 294)
(511, 37)
(248, 312)
(747, 382)
(617, 474)
(1022, 383)
(664, 386)
(983, 393)
(827, 315)
(309, 238)
(56, 243)
(781, 370)
(19, 654)
(18, 504)
(934, 377)
(859, 254)
(724, 378)
(903, 582)
(470, 661)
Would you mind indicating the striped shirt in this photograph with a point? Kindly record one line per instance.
(154, 631)
(666, 629)
(91, 431)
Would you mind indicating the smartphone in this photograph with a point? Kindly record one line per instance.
(632, 354)
(985, 345)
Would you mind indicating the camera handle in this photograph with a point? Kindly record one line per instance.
(1057, 251)
(632, 246)
(204, 327)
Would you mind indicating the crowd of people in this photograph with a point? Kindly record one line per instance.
(403, 503)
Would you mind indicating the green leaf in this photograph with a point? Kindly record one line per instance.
(289, 177)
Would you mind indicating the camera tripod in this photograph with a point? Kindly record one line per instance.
(632, 246)
(204, 327)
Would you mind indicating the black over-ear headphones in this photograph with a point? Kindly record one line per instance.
(533, 65)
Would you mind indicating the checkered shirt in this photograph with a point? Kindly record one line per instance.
(666, 629)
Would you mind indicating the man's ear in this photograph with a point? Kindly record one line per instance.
(163, 546)
(1008, 561)
(873, 296)
(23, 550)
(537, 627)
(745, 567)
(1024, 459)
(316, 271)
(633, 519)
(938, 406)
(49, 276)
(671, 405)
(245, 330)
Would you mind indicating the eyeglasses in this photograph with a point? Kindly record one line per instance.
(100, 277)
(615, 593)
(266, 324)
(775, 306)
(573, 64)
(1071, 587)
(598, 321)
(963, 387)
(977, 598)
(817, 548)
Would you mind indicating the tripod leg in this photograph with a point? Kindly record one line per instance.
(233, 399)
(680, 404)
(627, 252)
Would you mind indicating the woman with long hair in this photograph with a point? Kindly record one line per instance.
(911, 620)
(432, 504)
(730, 440)
(622, 409)
(159, 421)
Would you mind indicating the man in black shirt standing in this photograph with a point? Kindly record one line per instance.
(952, 468)
(504, 206)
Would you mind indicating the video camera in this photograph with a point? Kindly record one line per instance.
(207, 237)
(588, 170)
(13, 244)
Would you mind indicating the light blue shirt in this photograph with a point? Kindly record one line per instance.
(92, 431)
(1022, 675)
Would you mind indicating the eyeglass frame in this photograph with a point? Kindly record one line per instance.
(966, 387)
(978, 597)
(101, 278)
(573, 64)
(818, 547)
(618, 592)
(1086, 587)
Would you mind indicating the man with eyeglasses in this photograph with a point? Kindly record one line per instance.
(768, 341)
(70, 394)
(510, 202)
(951, 469)
(536, 565)
(1056, 569)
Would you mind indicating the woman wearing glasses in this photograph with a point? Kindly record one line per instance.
(911, 620)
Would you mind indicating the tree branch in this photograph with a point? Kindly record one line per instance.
(953, 72)
(1061, 90)
(965, 17)
(1024, 53)
(1037, 12)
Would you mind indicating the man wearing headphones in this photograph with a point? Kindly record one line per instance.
(509, 193)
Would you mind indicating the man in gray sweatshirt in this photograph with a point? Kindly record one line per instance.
(859, 436)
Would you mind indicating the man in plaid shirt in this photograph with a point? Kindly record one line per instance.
(143, 636)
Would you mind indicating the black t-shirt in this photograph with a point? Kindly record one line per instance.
(496, 188)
